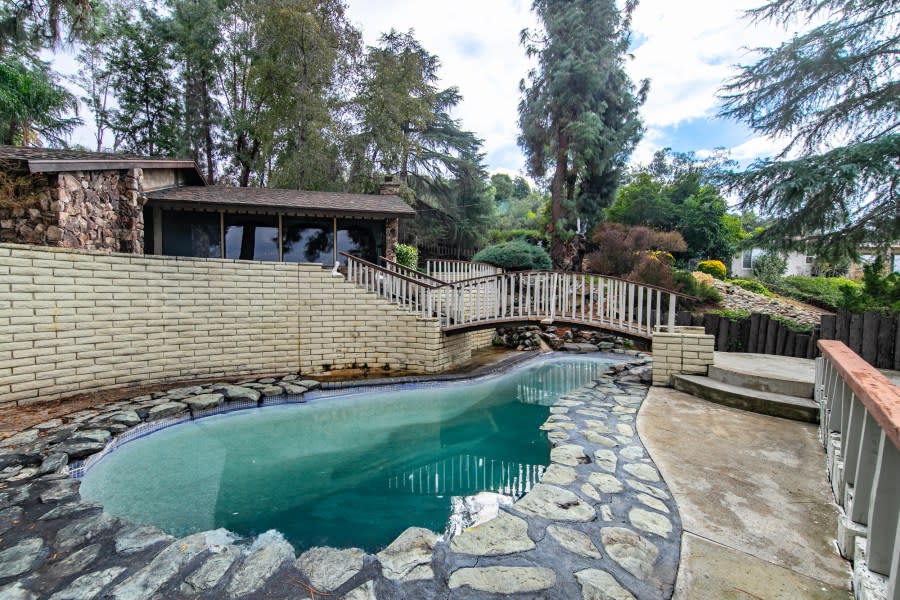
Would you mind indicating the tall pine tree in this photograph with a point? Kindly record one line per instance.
(834, 93)
(579, 114)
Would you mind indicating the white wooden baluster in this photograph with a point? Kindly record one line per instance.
(671, 312)
(640, 308)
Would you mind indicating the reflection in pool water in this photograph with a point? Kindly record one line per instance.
(343, 471)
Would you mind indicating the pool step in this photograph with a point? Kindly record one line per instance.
(762, 383)
(744, 398)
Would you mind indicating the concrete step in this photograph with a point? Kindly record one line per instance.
(761, 382)
(767, 403)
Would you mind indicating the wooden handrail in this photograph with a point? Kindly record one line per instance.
(387, 271)
(880, 397)
(418, 273)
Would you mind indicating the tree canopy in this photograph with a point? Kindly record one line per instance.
(579, 112)
(833, 93)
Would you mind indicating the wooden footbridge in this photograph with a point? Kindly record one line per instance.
(467, 296)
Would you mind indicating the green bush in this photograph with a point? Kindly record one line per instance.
(751, 285)
(716, 268)
(730, 313)
(407, 255)
(826, 292)
(516, 255)
(532, 236)
(704, 293)
(770, 267)
(792, 325)
(877, 292)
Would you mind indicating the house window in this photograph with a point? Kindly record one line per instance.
(747, 259)
(308, 240)
(195, 234)
(363, 239)
(251, 237)
(895, 264)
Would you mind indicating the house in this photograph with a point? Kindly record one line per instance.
(140, 205)
(805, 264)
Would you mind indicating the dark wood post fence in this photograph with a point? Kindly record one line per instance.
(873, 335)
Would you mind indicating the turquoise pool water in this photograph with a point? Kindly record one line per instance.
(344, 471)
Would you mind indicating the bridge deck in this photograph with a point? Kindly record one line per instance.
(559, 320)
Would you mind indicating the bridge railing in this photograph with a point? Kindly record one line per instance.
(450, 271)
(860, 429)
(413, 294)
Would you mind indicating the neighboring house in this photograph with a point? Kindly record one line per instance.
(804, 264)
(139, 205)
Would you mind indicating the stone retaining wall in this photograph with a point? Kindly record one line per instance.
(72, 322)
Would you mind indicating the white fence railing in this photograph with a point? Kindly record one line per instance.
(602, 302)
(458, 270)
(860, 429)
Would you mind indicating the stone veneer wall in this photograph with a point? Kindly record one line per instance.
(72, 322)
(89, 210)
(687, 350)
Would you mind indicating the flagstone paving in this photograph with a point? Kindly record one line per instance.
(602, 523)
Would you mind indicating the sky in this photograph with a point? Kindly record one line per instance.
(687, 49)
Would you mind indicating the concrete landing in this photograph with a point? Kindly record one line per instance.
(756, 508)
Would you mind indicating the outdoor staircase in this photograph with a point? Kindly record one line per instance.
(788, 394)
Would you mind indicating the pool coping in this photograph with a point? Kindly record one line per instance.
(445, 562)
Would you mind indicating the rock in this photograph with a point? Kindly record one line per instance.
(262, 562)
(606, 460)
(595, 438)
(144, 583)
(600, 585)
(364, 592)
(408, 557)
(607, 484)
(60, 490)
(129, 418)
(88, 586)
(204, 401)
(596, 426)
(650, 522)
(327, 568)
(22, 557)
(270, 391)
(580, 348)
(557, 436)
(290, 388)
(20, 439)
(569, 454)
(77, 450)
(67, 510)
(235, 392)
(625, 430)
(558, 475)
(17, 591)
(53, 463)
(49, 424)
(166, 409)
(208, 575)
(504, 534)
(589, 491)
(10, 517)
(634, 553)
(84, 530)
(76, 562)
(554, 503)
(648, 489)
(100, 436)
(642, 471)
(654, 503)
(632, 453)
(574, 541)
(503, 580)
(309, 384)
(135, 538)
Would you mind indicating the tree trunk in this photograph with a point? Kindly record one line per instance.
(207, 134)
(557, 193)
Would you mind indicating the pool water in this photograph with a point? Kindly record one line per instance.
(354, 470)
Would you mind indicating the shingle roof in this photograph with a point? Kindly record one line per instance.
(51, 160)
(302, 201)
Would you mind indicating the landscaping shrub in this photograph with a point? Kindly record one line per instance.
(516, 255)
(654, 268)
(688, 283)
(620, 247)
(716, 268)
(751, 285)
(532, 236)
(878, 291)
(826, 292)
(730, 313)
(407, 255)
(770, 267)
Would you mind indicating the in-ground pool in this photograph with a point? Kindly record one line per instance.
(352, 470)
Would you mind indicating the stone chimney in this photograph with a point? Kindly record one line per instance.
(390, 186)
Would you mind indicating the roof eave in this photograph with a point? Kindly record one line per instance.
(183, 204)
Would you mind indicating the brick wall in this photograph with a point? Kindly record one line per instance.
(686, 350)
(72, 322)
